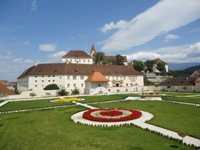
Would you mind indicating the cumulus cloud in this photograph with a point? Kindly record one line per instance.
(34, 5)
(119, 25)
(27, 43)
(170, 37)
(57, 55)
(5, 56)
(47, 47)
(177, 54)
(151, 23)
(22, 61)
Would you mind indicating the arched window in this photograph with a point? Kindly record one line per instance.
(117, 84)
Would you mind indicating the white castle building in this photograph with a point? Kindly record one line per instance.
(78, 71)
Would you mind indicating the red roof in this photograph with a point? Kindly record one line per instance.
(97, 77)
(76, 54)
(5, 90)
(78, 69)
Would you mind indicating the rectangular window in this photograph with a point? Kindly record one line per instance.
(68, 85)
(49, 80)
(74, 85)
(35, 85)
(82, 85)
(35, 80)
(53, 80)
(42, 80)
(74, 77)
(68, 77)
(82, 77)
(126, 84)
(36, 76)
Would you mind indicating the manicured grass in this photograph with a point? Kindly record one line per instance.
(168, 115)
(31, 104)
(53, 129)
(106, 97)
(195, 100)
(46, 103)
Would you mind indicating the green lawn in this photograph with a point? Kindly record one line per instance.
(172, 116)
(53, 129)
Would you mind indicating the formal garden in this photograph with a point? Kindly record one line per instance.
(48, 125)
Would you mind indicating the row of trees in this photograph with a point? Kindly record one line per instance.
(99, 59)
(147, 66)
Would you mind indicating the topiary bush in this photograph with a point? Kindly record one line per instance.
(51, 87)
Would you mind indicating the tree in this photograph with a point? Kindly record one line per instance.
(32, 94)
(51, 87)
(98, 57)
(182, 134)
(172, 73)
(15, 90)
(146, 81)
(138, 65)
(161, 68)
(75, 91)
(119, 60)
(62, 92)
(149, 65)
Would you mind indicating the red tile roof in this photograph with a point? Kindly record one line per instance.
(76, 54)
(78, 69)
(188, 81)
(114, 58)
(97, 77)
(5, 90)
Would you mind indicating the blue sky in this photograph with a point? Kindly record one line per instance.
(44, 30)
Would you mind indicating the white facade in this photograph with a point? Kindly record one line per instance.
(78, 60)
(70, 82)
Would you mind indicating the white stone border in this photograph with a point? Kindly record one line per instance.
(77, 118)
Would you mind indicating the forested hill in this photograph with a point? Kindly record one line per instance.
(188, 71)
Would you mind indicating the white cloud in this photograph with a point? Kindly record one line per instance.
(47, 47)
(6, 56)
(170, 37)
(177, 54)
(27, 43)
(163, 17)
(57, 55)
(119, 25)
(34, 5)
(22, 61)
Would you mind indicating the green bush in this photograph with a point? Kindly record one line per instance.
(51, 87)
(62, 92)
(75, 91)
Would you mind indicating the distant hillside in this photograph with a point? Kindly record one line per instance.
(188, 71)
(181, 66)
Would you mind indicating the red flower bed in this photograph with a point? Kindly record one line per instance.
(111, 114)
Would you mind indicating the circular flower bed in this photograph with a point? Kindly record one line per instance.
(111, 114)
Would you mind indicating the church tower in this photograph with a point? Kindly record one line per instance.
(92, 51)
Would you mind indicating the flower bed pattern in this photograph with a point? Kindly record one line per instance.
(111, 114)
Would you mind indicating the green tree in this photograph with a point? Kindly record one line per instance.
(146, 81)
(149, 65)
(138, 65)
(75, 91)
(62, 92)
(51, 87)
(161, 68)
(15, 90)
(98, 57)
(172, 73)
(32, 94)
(119, 60)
